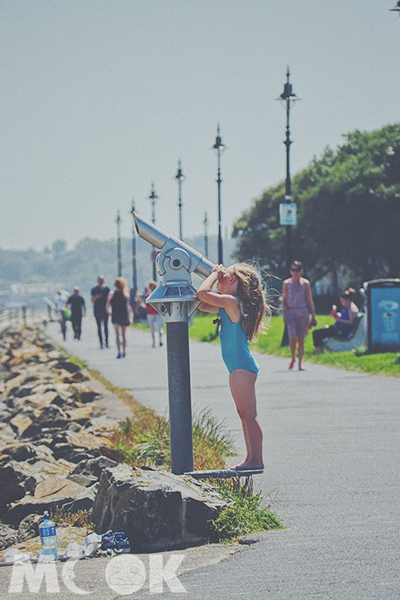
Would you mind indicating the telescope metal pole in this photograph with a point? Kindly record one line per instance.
(180, 406)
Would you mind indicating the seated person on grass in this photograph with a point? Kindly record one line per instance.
(344, 322)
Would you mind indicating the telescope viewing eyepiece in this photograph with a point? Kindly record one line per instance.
(164, 242)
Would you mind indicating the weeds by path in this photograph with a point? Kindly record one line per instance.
(245, 515)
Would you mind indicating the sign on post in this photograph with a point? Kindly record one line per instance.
(288, 213)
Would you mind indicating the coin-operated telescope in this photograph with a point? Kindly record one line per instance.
(175, 299)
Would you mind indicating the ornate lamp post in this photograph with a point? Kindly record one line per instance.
(288, 209)
(134, 269)
(118, 221)
(219, 147)
(180, 177)
(153, 197)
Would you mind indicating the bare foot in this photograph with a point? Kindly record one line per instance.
(248, 466)
(291, 364)
(301, 368)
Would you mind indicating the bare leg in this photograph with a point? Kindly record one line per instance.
(116, 327)
(292, 346)
(242, 384)
(123, 332)
(151, 322)
(301, 352)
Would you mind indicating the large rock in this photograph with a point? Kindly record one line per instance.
(49, 495)
(76, 446)
(83, 501)
(24, 426)
(94, 467)
(8, 536)
(156, 509)
(29, 527)
(13, 485)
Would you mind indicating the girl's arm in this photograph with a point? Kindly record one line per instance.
(207, 308)
(213, 299)
(110, 295)
(128, 306)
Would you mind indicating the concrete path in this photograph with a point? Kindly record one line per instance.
(332, 448)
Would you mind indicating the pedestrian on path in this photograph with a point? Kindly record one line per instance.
(154, 318)
(61, 312)
(99, 295)
(344, 322)
(78, 309)
(118, 307)
(241, 305)
(297, 305)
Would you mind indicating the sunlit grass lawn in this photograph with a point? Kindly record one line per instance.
(203, 329)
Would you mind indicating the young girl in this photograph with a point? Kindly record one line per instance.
(118, 301)
(241, 305)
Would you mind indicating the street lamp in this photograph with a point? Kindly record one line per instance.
(219, 147)
(153, 197)
(288, 208)
(118, 221)
(134, 269)
(180, 177)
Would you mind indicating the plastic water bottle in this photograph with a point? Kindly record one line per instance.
(48, 539)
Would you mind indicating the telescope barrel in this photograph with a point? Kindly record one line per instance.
(149, 232)
(158, 238)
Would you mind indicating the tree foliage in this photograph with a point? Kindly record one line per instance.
(348, 212)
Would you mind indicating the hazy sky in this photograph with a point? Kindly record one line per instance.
(101, 97)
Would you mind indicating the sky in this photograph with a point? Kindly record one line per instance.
(100, 98)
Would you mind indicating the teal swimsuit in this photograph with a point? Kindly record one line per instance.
(235, 346)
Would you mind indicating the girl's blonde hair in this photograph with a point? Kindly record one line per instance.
(120, 284)
(252, 299)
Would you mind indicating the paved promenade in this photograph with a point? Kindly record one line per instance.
(332, 448)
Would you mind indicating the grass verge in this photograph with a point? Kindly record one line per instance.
(269, 343)
(245, 515)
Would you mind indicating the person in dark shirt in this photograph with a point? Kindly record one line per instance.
(99, 296)
(78, 308)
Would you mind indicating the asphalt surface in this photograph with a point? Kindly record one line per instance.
(332, 474)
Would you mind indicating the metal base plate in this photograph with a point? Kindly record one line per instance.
(223, 473)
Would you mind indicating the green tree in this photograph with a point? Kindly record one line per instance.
(348, 211)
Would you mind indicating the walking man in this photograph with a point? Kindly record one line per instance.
(99, 295)
(78, 308)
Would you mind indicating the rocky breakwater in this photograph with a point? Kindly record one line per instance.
(56, 455)
(53, 435)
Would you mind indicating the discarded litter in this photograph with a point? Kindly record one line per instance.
(116, 542)
(48, 540)
(108, 544)
(12, 556)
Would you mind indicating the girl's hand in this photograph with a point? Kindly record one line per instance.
(219, 270)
